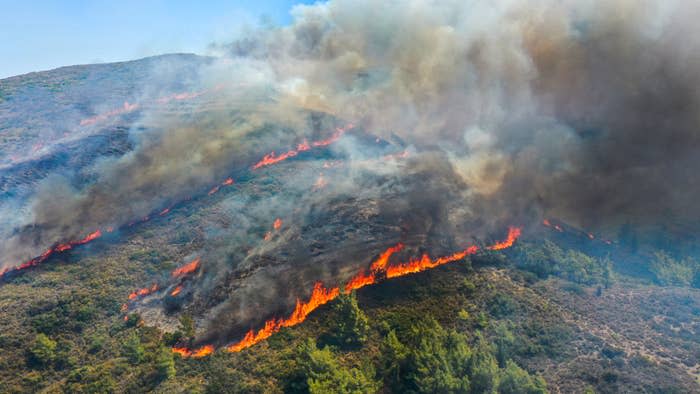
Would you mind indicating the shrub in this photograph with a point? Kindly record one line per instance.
(43, 351)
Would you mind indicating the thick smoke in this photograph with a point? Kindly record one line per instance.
(582, 110)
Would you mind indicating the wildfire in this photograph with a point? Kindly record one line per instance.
(362, 279)
(319, 296)
(277, 224)
(176, 291)
(426, 263)
(55, 249)
(187, 268)
(272, 157)
(143, 292)
(197, 353)
(513, 234)
(125, 109)
(227, 182)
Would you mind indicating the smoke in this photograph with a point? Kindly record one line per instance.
(582, 110)
(513, 110)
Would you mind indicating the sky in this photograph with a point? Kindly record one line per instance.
(44, 34)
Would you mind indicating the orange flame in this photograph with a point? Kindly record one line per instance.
(56, 249)
(143, 292)
(125, 109)
(187, 268)
(277, 224)
(197, 353)
(177, 291)
(272, 158)
(513, 235)
(426, 263)
(319, 296)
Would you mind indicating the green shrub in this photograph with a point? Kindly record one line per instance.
(43, 350)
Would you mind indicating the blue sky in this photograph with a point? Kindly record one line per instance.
(43, 34)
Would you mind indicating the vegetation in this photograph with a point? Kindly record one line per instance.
(455, 329)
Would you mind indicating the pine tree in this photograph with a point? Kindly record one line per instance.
(353, 325)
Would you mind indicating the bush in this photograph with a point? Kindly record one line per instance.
(324, 374)
(671, 272)
(90, 379)
(515, 380)
(353, 326)
(43, 351)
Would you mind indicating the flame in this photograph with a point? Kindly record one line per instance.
(272, 158)
(319, 296)
(227, 182)
(55, 249)
(426, 263)
(187, 268)
(164, 212)
(197, 353)
(177, 291)
(268, 236)
(277, 224)
(125, 109)
(513, 235)
(214, 190)
(143, 292)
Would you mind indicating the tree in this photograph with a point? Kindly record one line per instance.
(43, 351)
(353, 326)
(165, 363)
(90, 379)
(429, 360)
(394, 356)
(187, 326)
(324, 374)
(515, 380)
(133, 349)
(483, 367)
(504, 343)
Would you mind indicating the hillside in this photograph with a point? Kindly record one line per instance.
(556, 310)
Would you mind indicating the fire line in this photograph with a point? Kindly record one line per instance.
(321, 295)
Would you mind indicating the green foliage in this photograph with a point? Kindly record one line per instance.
(221, 380)
(515, 380)
(187, 326)
(483, 367)
(671, 272)
(43, 351)
(133, 350)
(549, 259)
(324, 374)
(502, 305)
(164, 363)
(90, 379)
(504, 341)
(353, 326)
